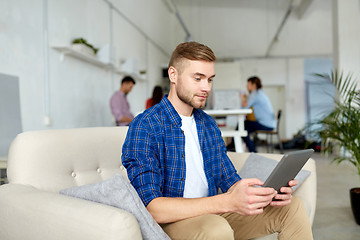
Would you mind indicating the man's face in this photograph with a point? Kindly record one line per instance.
(251, 86)
(194, 82)
(128, 87)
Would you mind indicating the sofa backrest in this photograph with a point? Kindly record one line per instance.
(56, 159)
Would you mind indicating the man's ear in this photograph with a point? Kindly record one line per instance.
(172, 72)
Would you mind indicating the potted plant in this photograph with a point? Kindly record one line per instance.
(341, 128)
(81, 45)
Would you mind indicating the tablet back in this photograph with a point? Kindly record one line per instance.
(287, 169)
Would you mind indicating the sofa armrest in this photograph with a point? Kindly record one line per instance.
(29, 213)
(308, 189)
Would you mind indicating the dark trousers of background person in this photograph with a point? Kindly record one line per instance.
(250, 127)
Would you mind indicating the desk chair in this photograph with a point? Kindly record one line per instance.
(270, 134)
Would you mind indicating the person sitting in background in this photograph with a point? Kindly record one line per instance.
(263, 111)
(156, 97)
(119, 105)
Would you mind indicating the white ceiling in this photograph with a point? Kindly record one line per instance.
(246, 28)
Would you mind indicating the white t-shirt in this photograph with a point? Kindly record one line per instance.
(196, 184)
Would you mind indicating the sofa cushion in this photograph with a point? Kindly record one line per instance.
(118, 192)
(257, 166)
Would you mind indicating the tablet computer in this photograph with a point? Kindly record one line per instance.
(287, 169)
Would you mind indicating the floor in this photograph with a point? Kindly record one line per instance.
(333, 216)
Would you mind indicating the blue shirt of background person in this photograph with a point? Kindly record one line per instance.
(262, 108)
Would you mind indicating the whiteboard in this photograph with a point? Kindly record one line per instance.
(10, 116)
(226, 99)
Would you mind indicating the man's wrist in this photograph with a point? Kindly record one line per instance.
(222, 203)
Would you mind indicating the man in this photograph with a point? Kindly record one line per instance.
(263, 111)
(176, 160)
(119, 105)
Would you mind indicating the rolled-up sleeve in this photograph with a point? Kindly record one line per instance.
(138, 156)
(230, 176)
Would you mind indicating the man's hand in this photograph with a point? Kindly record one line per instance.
(246, 199)
(243, 98)
(284, 197)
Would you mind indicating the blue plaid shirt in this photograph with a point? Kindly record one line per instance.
(154, 153)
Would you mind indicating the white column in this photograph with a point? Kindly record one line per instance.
(346, 31)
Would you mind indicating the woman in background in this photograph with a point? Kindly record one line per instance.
(156, 97)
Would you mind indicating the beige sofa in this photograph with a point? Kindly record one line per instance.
(43, 162)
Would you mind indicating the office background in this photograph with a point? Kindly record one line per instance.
(270, 38)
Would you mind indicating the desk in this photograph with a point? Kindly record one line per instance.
(236, 134)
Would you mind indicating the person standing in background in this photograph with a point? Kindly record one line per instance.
(262, 108)
(156, 97)
(119, 105)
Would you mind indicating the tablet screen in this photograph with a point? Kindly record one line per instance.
(287, 169)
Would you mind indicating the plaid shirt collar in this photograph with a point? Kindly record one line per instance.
(174, 116)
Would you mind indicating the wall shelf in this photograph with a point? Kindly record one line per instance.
(66, 50)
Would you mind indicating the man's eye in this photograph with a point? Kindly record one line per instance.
(210, 80)
(197, 78)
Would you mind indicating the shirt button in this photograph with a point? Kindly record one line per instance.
(182, 179)
(182, 131)
(182, 155)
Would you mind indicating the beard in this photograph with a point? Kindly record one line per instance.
(191, 99)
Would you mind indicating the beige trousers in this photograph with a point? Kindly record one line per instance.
(291, 222)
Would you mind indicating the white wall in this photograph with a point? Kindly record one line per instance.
(21, 55)
(228, 76)
(346, 24)
(78, 90)
(74, 93)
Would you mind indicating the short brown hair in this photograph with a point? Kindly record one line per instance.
(191, 51)
(255, 80)
(127, 79)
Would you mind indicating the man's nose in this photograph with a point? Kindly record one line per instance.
(206, 86)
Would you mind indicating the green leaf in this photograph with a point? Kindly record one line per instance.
(341, 127)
